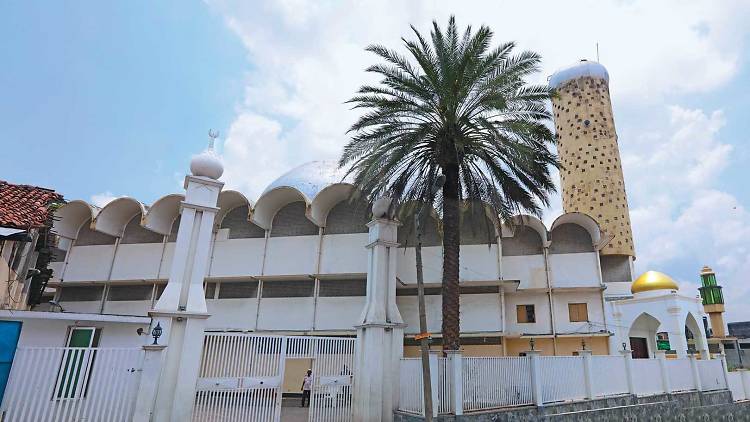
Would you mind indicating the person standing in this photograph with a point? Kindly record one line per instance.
(306, 387)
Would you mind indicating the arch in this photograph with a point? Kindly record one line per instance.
(525, 220)
(240, 227)
(326, 200)
(644, 326)
(134, 232)
(477, 224)
(228, 201)
(291, 220)
(116, 214)
(163, 212)
(699, 334)
(87, 236)
(348, 216)
(274, 200)
(71, 216)
(585, 221)
(570, 238)
(407, 235)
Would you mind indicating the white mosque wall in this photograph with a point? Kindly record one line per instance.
(54, 333)
(238, 257)
(541, 309)
(593, 302)
(127, 307)
(338, 313)
(57, 270)
(481, 313)
(88, 306)
(166, 261)
(574, 270)
(528, 269)
(409, 308)
(293, 313)
(618, 289)
(432, 264)
(232, 314)
(88, 263)
(344, 253)
(136, 261)
(295, 255)
(478, 263)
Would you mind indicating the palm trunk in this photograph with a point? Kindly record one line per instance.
(451, 244)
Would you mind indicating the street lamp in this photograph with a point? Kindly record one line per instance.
(156, 333)
(424, 336)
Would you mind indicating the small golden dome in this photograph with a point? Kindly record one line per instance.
(653, 280)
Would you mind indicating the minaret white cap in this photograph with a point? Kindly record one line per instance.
(207, 163)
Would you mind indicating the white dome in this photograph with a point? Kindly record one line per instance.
(207, 164)
(578, 70)
(311, 178)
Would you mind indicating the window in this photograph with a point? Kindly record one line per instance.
(131, 292)
(77, 362)
(342, 288)
(238, 290)
(525, 314)
(578, 312)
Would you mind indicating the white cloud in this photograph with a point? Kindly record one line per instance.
(104, 198)
(308, 59)
(681, 220)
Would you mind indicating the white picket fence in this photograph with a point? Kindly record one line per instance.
(72, 384)
(497, 382)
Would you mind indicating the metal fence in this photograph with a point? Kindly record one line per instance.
(72, 384)
(496, 382)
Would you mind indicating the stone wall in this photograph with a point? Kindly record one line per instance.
(682, 407)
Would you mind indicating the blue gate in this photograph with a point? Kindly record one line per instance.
(9, 333)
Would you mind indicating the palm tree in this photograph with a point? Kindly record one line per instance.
(459, 108)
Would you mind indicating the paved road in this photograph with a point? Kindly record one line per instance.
(292, 412)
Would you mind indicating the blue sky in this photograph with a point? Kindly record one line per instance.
(104, 99)
(113, 96)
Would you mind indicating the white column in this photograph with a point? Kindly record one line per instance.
(628, 356)
(588, 375)
(696, 374)
(724, 369)
(380, 332)
(150, 372)
(457, 392)
(434, 382)
(536, 377)
(661, 356)
(181, 309)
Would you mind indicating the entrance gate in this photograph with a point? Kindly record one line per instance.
(242, 374)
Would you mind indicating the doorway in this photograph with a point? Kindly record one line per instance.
(639, 346)
(10, 331)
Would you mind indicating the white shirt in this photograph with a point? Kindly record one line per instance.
(307, 383)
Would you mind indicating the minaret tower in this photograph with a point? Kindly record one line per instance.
(591, 174)
(713, 301)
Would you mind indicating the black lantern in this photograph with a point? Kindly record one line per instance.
(531, 343)
(156, 333)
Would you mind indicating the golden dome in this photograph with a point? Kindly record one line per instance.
(653, 280)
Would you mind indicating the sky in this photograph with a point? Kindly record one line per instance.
(108, 99)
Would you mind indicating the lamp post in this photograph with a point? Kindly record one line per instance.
(424, 336)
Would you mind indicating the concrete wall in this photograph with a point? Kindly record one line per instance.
(54, 333)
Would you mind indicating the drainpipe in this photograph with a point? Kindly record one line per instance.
(109, 276)
(316, 280)
(260, 280)
(601, 291)
(545, 252)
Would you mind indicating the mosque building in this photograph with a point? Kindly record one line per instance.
(295, 261)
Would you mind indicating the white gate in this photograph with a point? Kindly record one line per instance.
(241, 377)
(72, 384)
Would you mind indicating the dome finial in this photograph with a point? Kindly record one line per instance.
(207, 163)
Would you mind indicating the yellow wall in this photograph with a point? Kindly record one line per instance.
(565, 347)
(294, 372)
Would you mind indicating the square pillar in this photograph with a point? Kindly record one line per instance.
(587, 373)
(151, 371)
(661, 356)
(455, 364)
(536, 377)
(627, 355)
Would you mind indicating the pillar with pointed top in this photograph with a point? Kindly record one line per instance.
(713, 301)
(181, 309)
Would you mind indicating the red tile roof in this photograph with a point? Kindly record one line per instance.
(24, 206)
